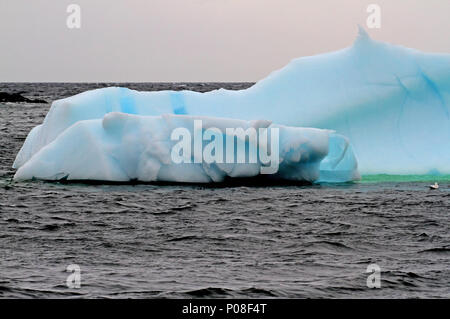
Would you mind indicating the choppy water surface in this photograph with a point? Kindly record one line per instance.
(198, 241)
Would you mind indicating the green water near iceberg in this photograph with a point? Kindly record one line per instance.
(404, 178)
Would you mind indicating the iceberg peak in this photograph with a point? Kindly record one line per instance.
(362, 36)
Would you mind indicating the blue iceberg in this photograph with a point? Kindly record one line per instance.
(123, 147)
(383, 109)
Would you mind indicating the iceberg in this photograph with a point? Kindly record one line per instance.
(383, 106)
(124, 147)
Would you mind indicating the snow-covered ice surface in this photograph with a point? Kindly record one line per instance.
(392, 104)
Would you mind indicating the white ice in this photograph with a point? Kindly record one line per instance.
(124, 147)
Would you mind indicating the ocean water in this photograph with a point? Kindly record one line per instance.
(220, 241)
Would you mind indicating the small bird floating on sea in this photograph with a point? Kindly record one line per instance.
(435, 186)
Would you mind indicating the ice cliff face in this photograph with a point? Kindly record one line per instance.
(392, 103)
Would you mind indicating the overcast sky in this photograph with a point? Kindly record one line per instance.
(197, 40)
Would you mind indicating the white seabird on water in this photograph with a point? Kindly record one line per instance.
(435, 186)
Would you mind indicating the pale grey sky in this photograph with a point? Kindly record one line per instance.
(197, 40)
